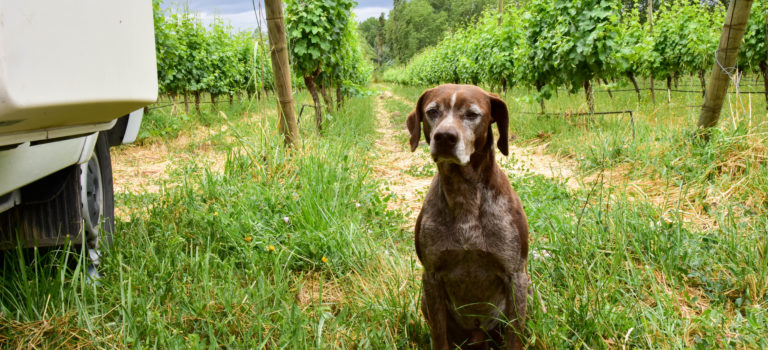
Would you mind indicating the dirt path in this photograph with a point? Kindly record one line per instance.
(145, 167)
(395, 158)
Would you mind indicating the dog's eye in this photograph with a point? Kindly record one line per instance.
(472, 115)
(432, 113)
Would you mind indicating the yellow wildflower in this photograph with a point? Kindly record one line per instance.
(248, 239)
(271, 248)
(324, 259)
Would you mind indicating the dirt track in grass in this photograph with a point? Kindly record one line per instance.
(394, 158)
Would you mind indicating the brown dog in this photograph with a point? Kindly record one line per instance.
(472, 233)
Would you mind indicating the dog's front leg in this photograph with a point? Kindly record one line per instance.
(517, 300)
(433, 305)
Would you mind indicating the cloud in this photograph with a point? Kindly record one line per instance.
(239, 21)
(223, 6)
(239, 13)
(375, 3)
(364, 13)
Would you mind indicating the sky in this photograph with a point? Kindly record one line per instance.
(241, 15)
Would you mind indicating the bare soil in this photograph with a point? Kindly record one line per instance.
(394, 158)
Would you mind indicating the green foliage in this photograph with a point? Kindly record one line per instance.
(685, 38)
(373, 30)
(315, 30)
(417, 24)
(412, 26)
(351, 68)
(589, 27)
(545, 32)
(634, 52)
(549, 44)
(755, 47)
(484, 52)
(324, 44)
(215, 60)
(368, 29)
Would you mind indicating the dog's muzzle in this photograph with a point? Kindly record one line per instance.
(444, 145)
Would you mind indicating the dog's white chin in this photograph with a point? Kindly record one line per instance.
(452, 160)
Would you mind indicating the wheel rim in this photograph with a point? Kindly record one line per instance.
(92, 195)
(92, 204)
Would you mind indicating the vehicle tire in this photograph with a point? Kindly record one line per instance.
(97, 202)
(61, 206)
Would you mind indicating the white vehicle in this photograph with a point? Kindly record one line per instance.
(74, 76)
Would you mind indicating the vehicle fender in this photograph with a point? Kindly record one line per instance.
(132, 128)
(88, 145)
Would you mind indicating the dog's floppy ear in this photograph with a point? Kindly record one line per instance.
(414, 127)
(414, 122)
(500, 115)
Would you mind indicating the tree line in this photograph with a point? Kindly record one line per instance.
(414, 25)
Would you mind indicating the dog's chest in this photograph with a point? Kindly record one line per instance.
(480, 234)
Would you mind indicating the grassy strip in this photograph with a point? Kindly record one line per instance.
(268, 252)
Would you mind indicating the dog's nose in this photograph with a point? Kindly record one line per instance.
(446, 138)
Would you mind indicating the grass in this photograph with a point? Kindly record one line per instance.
(296, 249)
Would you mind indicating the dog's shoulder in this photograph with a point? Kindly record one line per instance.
(504, 212)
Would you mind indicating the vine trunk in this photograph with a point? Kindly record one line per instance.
(309, 81)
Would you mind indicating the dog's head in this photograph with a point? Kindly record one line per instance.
(457, 122)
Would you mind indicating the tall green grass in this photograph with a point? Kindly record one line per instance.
(220, 259)
(621, 269)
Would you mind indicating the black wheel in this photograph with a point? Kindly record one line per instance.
(61, 206)
(97, 202)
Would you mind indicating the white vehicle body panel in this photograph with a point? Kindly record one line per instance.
(29, 163)
(132, 129)
(68, 65)
(53, 133)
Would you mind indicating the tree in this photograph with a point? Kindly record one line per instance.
(368, 30)
(634, 53)
(591, 39)
(543, 48)
(372, 31)
(685, 36)
(316, 30)
(412, 26)
(380, 39)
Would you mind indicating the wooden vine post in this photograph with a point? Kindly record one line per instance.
(726, 55)
(281, 71)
